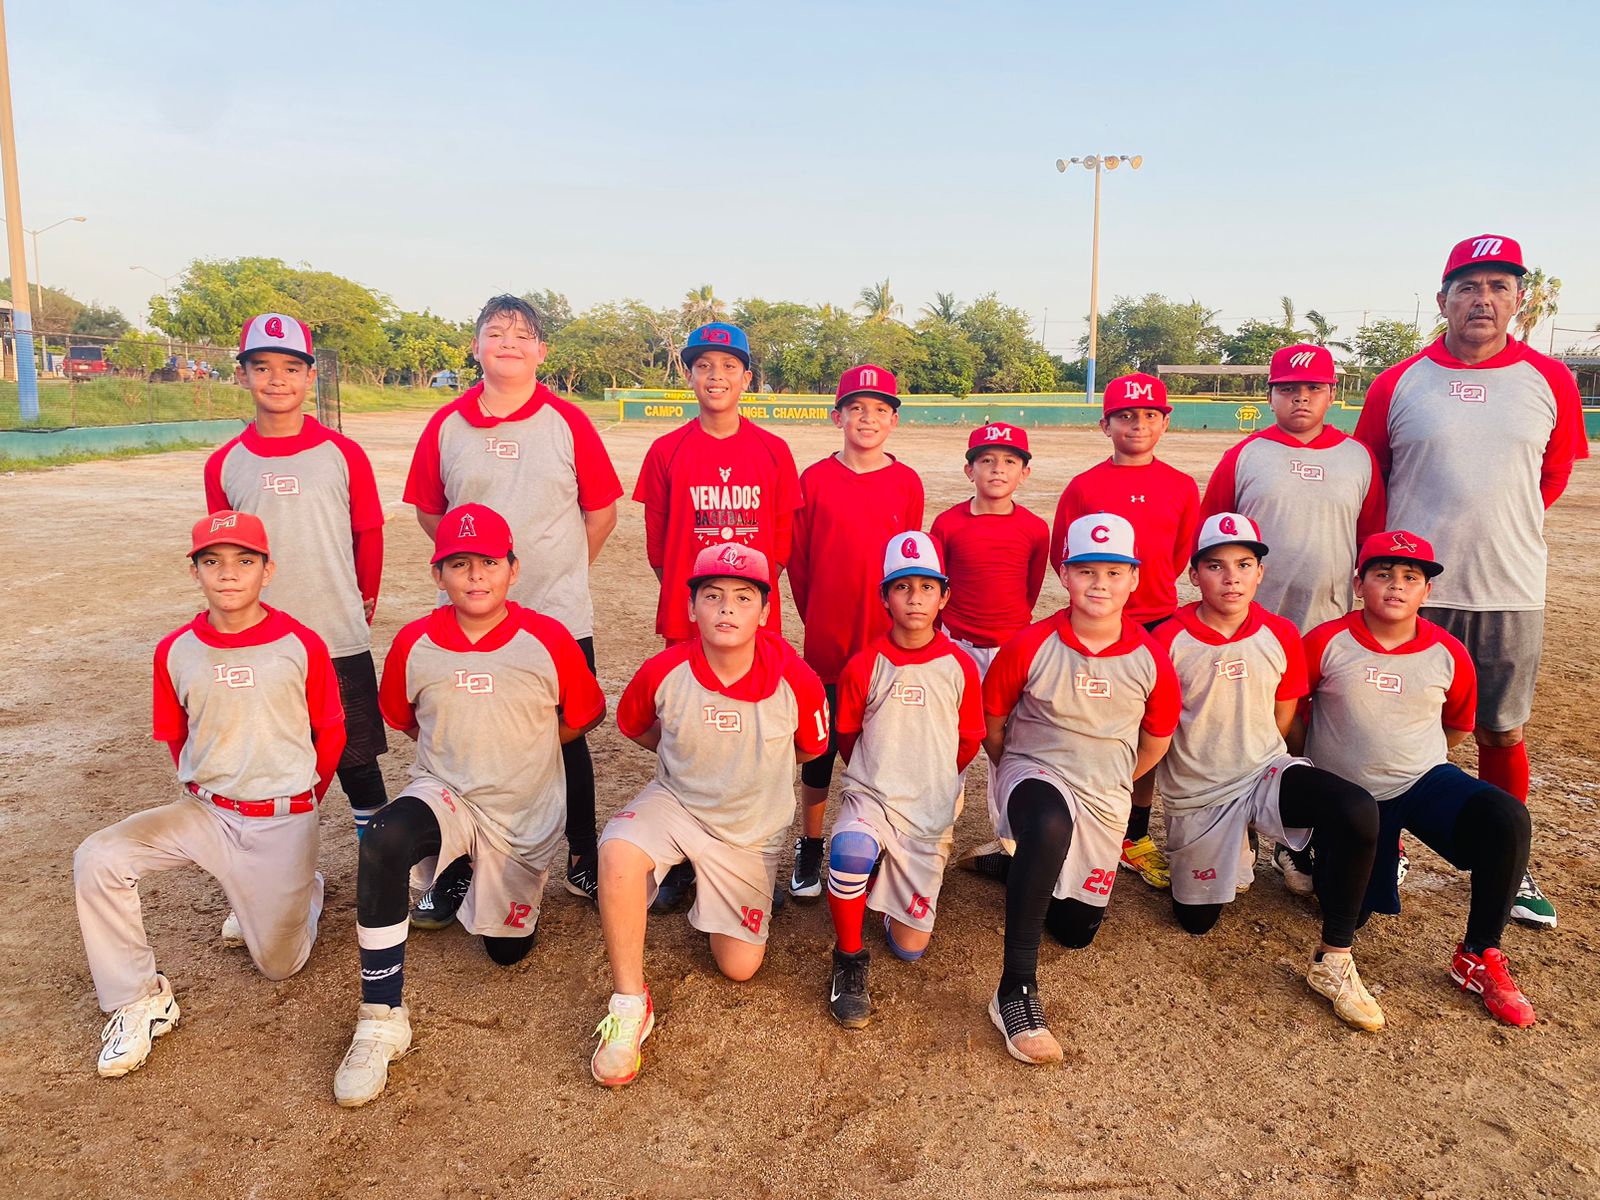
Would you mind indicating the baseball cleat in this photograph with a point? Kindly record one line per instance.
(437, 907)
(847, 996)
(1145, 857)
(1532, 907)
(382, 1035)
(1247, 866)
(989, 860)
(1489, 975)
(583, 877)
(1334, 975)
(806, 882)
(232, 931)
(1019, 1016)
(126, 1039)
(1295, 867)
(1402, 865)
(672, 890)
(628, 1021)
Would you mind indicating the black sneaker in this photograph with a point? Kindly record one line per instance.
(672, 890)
(1019, 1016)
(989, 860)
(806, 882)
(438, 905)
(583, 877)
(847, 997)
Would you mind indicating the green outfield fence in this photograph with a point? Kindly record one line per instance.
(1229, 414)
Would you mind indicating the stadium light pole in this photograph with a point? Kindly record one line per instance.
(1094, 162)
(21, 318)
(38, 271)
(166, 287)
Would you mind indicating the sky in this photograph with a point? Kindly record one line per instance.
(441, 154)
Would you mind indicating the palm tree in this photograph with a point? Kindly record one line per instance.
(1321, 332)
(944, 308)
(879, 302)
(701, 306)
(1540, 293)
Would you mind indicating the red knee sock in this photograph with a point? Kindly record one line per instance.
(1506, 767)
(847, 918)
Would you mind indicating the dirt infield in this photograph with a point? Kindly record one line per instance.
(1194, 1066)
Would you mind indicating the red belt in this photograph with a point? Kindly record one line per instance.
(277, 807)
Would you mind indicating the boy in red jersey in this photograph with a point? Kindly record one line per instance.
(728, 714)
(1391, 694)
(909, 720)
(1163, 504)
(851, 503)
(247, 702)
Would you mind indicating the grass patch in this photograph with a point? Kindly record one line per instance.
(12, 466)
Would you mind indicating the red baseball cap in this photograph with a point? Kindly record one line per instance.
(1001, 436)
(1302, 363)
(471, 529)
(1398, 545)
(1485, 250)
(274, 331)
(729, 560)
(868, 380)
(229, 528)
(1135, 391)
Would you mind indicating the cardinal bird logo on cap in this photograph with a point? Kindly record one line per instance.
(273, 327)
(469, 526)
(1402, 542)
(730, 557)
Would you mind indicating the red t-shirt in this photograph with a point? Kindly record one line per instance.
(1163, 505)
(996, 563)
(844, 522)
(699, 491)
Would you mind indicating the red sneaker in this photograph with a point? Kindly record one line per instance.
(1490, 977)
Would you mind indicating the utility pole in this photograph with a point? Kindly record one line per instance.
(21, 315)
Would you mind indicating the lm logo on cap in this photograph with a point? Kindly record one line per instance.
(997, 433)
(1137, 391)
(1486, 245)
(1302, 359)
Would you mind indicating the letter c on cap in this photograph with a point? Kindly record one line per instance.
(1100, 533)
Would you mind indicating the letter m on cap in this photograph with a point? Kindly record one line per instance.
(227, 522)
(1136, 391)
(997, 433)
(1486, 245)
(1301, 360)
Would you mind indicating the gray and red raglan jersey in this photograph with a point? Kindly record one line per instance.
(727, 751)
(541, 468)
(1078, 714)
(246, 703)
(1313, 503)
(488, 717)
(316, 495)
(1472, 454)
(919, 717)
(1378, 717)
(1228, 731)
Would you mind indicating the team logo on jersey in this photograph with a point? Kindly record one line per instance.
(913, 695)
(273, 327)
(1468, 393)
(1139, 499)
(1486, 245)
(1091, 685)
(723, 720)
(502, 448)
(725, 472)
(1208, 873)
(227, 522)
(449, 800)
(280, 485)
(1385, 681)
(1301, 360)
(475, 683)
(1308, 471)
(1232, 668)
(997, 433)
(234, 677)
(726, 512)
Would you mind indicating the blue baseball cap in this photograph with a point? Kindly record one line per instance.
(718, 335)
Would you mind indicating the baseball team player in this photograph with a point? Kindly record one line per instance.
(1390, 693)
(490, 691)
(1476, 436)
(995, 552)
(850, 503)
(716, 479)
(248, 704)
(1162, 503)
(314, 488)
(512, 444)
(1077, 706)
(908, 721)
(1242, 673)
(727, 714)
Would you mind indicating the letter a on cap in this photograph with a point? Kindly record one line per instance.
(469, 526)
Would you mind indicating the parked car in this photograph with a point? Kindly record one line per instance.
(443, 379)
(86, 362)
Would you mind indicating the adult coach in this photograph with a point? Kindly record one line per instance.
(512, 444)
(1476, 436)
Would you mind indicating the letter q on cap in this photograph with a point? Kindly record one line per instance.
(911, 554)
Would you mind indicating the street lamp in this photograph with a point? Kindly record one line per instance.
(1093, 162)
(38, 287)
(166, 287)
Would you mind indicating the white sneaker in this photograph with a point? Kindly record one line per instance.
(232, 931)
(1297, 881)
(1247, 867)
(1335, 976)
(126, 1039)
(383, 1034)
(622, 1031)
